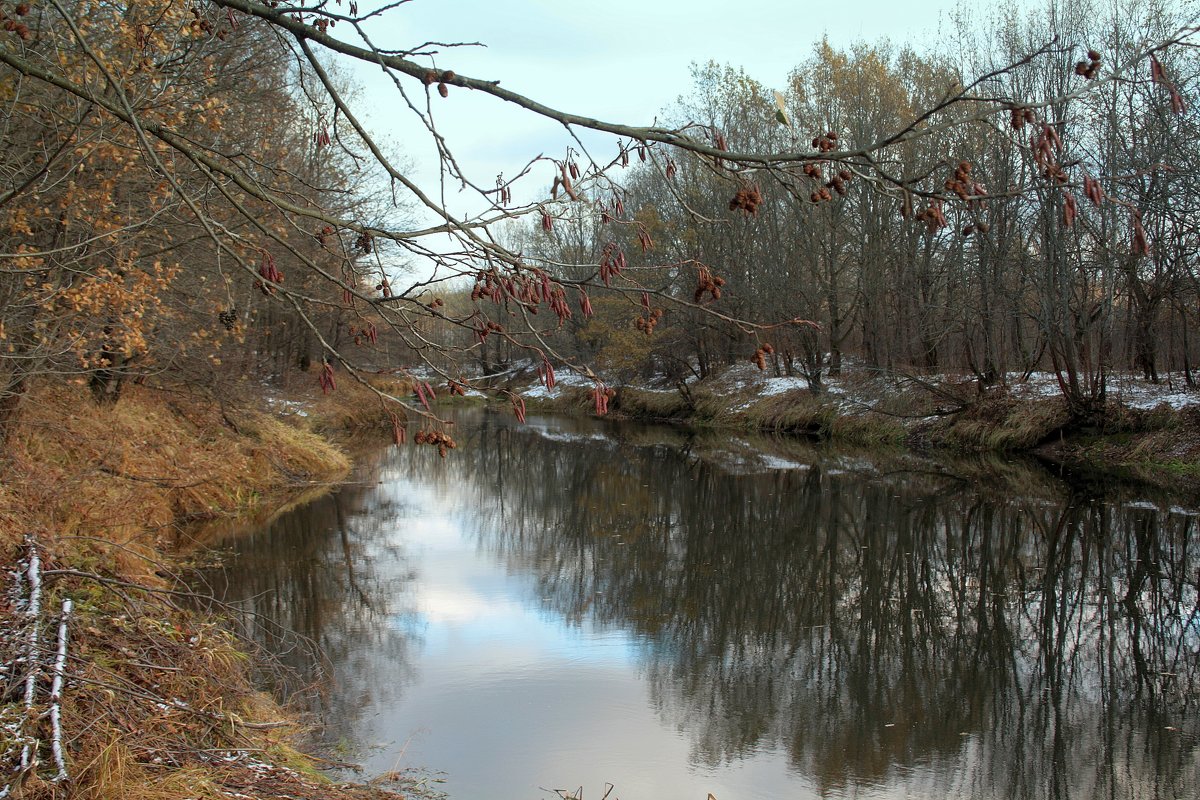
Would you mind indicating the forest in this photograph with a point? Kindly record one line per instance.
(1018, 195)
(1065, 244)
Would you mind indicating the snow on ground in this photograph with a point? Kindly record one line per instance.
(562, 378)
(540, 392)
(282, 406)
(1135, 392)
(571, 378)
(858, 388)
(774, 386)
(1172, 390)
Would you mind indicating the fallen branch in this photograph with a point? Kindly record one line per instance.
(164, 483)
(33, 613)
(56, 686)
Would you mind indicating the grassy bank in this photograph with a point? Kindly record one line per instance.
(1158, 445)
(158, 701)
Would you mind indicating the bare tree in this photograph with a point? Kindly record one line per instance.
(265, 207)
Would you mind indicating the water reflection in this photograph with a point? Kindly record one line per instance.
(894, 629)
(325, 592)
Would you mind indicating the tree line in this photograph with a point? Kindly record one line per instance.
(188, 197)
(1059, 236)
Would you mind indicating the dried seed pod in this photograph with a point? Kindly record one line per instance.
(443, 90)
(747, 199)
(1070, 209)
(1139, 245)
(1157, 73)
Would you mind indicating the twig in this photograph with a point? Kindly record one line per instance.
(56, 686)
(165, 483)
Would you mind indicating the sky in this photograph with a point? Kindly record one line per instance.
(618, 60)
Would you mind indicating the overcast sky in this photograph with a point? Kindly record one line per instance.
(620, 60)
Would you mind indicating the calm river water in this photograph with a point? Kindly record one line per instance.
(574, 603)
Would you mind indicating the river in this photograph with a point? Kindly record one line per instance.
(580, 603)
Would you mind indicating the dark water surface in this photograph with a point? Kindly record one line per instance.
(571, 602)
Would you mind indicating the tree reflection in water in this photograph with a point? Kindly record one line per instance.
(884, 625)
(1037, 645)
(324, 591)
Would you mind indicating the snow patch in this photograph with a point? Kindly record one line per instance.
(774, 386)
(540, 392)
(283, 406)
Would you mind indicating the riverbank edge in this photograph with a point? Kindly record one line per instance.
(159, 701)
(1158, 447)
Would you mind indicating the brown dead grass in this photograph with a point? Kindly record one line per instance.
(1004, 423)
(126, 473)
(646, 404)
(1157, 448)
(353, 408)
(160, 704)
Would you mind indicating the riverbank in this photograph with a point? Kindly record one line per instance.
(159, 701)
(96, 505)
(1149, 433)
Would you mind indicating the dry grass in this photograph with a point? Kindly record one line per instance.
(1000, 423)
(798, 411)
(102, 490)
(75, 469)
(715, 405)
(353, 408)
(646, 404)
